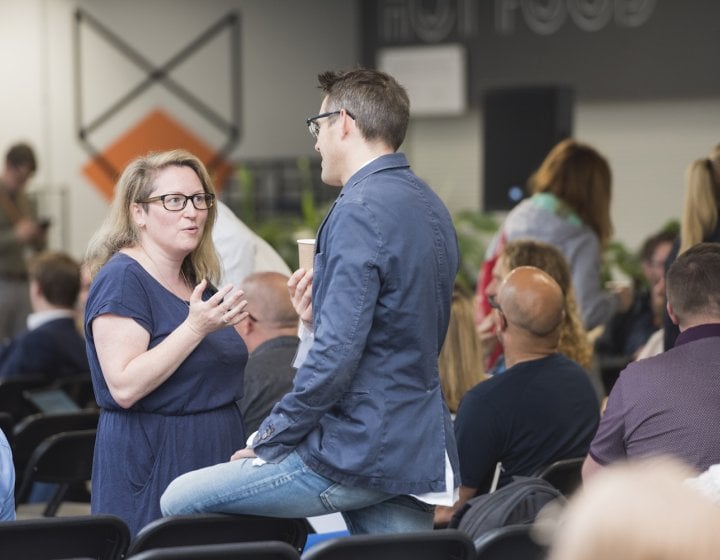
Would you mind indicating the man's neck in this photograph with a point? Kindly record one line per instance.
(527, 351)
(365, 154)
(258, 338)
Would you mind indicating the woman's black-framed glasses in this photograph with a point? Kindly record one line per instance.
(314, 127)
(175, 202)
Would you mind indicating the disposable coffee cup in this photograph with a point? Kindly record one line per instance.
(306, 253)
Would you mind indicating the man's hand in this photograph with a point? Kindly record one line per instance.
(300, 288)
(28, 231)
(247, 453)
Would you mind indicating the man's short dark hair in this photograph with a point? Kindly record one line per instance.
(693, 282)
(21, 155)
(667, 235)
(380, 105)
(58, 276)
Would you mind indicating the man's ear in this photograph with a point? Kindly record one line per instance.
(500, 320)
(35, 289)
(670, 311)
(347, 123)
(245, 327)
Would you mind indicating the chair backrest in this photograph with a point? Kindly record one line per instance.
(208, 528)
(103, 537)
(267, 550)
(565, 475)
(64, 459)
(513, 542)
(12, 400)
(79, 388)
(441, 544)
(30, 432)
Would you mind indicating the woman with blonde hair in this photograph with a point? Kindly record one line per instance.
(702, 202)
(461, 358)
(166, 364)
(700, 217)
(570, 209)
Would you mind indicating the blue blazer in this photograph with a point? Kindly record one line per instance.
(366, 408)
(54, 349)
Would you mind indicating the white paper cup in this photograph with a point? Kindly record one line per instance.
(306, 253)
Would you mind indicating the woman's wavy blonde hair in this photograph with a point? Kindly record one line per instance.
(574, 341)
(702, 200)
(461, 358)
(137, 183)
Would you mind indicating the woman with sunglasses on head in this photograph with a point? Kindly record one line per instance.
(167, 367)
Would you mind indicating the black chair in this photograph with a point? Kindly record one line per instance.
(30, 432)
(79, 388)
(441, 544)
(268, 550)
(64, 459)
(12, 400)
(513, 542)
(102, 537)
(565, 475)
(210, 528)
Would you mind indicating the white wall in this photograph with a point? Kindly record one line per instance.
(285, 43)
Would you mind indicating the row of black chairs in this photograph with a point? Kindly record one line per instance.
(210, 536)
(508, 542)
(51, 447)
(14, 401)
(54, 449)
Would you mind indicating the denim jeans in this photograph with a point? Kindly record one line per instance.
(290, 489)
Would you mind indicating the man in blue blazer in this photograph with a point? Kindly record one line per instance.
(52, 345)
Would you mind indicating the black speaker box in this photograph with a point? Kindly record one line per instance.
(521, 125)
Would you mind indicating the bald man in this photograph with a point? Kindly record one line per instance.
(541, 409)
(270, 334)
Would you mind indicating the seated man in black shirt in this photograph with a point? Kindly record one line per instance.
(270, 334)
(542, 409)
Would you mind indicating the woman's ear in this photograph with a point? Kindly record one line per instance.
(138, 215)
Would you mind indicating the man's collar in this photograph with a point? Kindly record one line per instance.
(698, 332)
(385, 161)
(39, 318)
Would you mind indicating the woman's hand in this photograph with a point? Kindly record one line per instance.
(223, 309)
(300, 288)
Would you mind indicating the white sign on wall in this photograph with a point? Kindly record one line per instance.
(435, 77)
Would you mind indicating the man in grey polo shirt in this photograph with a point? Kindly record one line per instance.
(669, 404)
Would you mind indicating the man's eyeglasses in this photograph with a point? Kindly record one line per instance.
(174, 202)
(314, 127)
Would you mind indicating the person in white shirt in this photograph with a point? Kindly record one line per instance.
(241, 250)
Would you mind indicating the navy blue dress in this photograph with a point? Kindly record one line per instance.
(189, 422)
